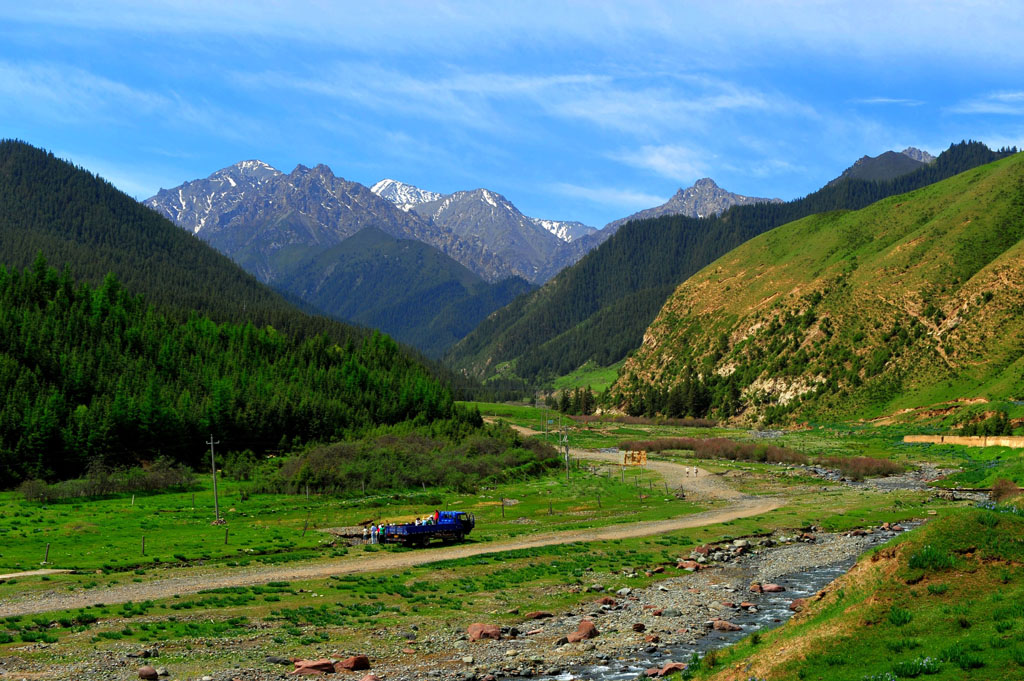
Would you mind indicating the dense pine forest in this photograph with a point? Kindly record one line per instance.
(95, 372)
(598, 309)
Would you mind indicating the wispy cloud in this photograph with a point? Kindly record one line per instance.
(672, 161)
(895, 101)
(73, 96)
(1006, 103)
(609, 196)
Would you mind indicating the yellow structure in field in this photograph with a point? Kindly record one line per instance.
(634, 458)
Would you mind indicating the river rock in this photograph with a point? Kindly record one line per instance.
(148, 672)
(585, 630)
(672, 668)
(690, 565)
(606, 600)
(624, 591)
(725, 625)
(639, 627)
(353, 664)
(479, 630)
(321, 666)
(538, 615)
(670, 612)
(772, 588)
(798, 604)
(756, 588)
(652, 638)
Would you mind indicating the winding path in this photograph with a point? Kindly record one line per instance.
(704, 485)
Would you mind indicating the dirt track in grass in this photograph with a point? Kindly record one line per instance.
(701, 486)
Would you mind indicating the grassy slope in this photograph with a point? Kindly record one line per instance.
(922, 294)
(951, 591)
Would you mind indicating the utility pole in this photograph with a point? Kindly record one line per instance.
(565, 443)
(213, 467)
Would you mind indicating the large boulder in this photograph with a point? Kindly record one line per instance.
(356, 663)
(605, 600)
(772, 588)
(672, 668)
(313, 667)
(586, 630)
(725, 625)
(538, 615)
(479, 630)
(148, 672)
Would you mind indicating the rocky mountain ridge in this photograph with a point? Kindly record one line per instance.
(703, 199)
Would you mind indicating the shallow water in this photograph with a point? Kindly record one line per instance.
(773, 611)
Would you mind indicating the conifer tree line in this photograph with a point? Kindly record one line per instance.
(93, 373)
(577, 402)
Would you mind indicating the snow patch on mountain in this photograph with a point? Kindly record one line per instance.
(403, 195)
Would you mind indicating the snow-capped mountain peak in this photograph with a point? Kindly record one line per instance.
(566, 231)
(403, 195)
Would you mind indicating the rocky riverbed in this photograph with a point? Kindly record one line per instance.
(711, 598)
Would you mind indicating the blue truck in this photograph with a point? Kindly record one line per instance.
(451, 526)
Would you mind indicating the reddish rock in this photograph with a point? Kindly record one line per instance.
(896, 528)
(479, 630)
(658, 570)
(652, 672)
(756, 588)
(857, 533)
(584, 631)
(672, 668)
(747, 604)
(307, 671)
(727, 604)
(657, 612)
(724, 625)
(148, 672)
(487, 677)
(807, 536)
(355, 663)
(652, 638)
(533, 632)
(408, 651)
(885, 526)
(370, 677)
(605, 600)
(688, 565)
(650, 607)
(798, 604)
(538, 615)
(772, 588)
(703, 550)
(639, 627)
(310, 667)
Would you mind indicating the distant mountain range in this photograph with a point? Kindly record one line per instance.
(704, 198)
(887, 165)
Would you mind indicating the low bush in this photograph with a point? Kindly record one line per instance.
(100, 480)
(1003, 489)
(930, 557)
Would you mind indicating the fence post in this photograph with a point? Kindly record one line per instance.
(307, 524)
(503, 507)
(46, 558)
(225, 536)
(143, 544)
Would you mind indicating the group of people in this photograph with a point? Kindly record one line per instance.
(377, 533)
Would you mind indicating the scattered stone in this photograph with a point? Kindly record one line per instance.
(162, 671)
(671, 612)
(538, 615)
(595, 587)
(623, 592)
(148, 672)
(479, 630)
(725, 625)
(639, 627)
(353, 664)
(277, 659)
(468, 659)
(652, 638)
(606, 600)
(671, 668)
(798, 604)
(561, 642)
(772, 588)
(658, 570)
(408, 651)
(756, 588)
(690, 565)
(370, 677)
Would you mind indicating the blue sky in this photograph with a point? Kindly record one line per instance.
(576, 110)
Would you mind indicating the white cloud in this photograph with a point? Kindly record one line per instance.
(889, 100)
(1006, 103)
(673, 161)
(609, 196)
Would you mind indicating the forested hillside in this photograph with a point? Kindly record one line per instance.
(915, 300)
(72, 217)
(598, 309)
(96, 373)
(406, 288)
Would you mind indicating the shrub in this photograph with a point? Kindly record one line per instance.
(911, 669)
(929, 557)
(899, 616)
(961, 656)
(1003, 489)
(938, 589)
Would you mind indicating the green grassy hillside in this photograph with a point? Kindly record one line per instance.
(942, 603)
(915, 300)
(597, 310)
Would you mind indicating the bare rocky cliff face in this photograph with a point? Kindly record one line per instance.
(703, 199)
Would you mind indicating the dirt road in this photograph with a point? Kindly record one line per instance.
(704, 485)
